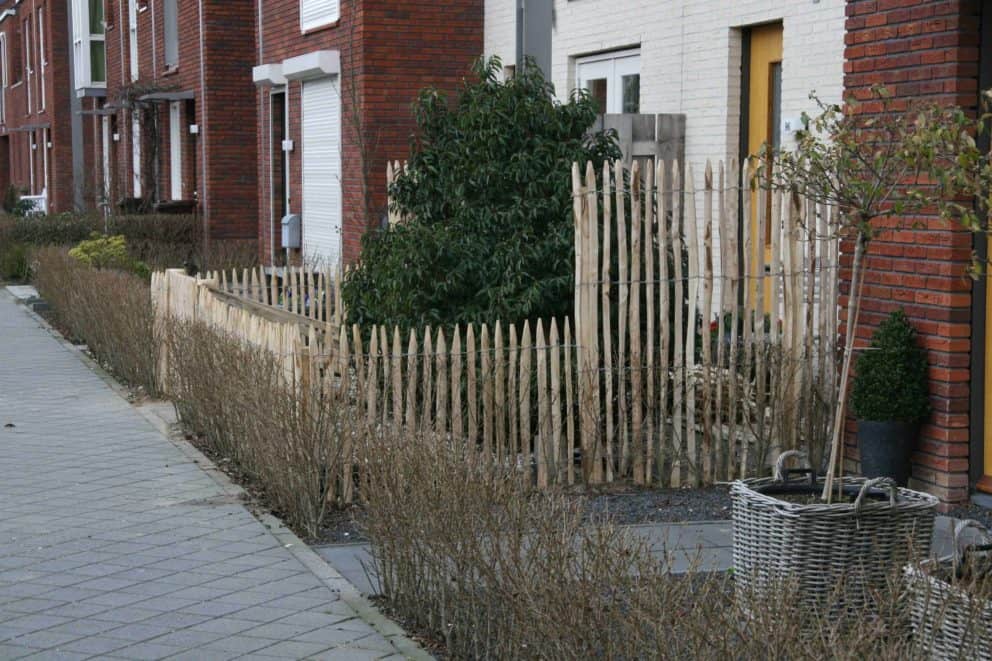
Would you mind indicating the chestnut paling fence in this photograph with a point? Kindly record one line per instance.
(703, 339)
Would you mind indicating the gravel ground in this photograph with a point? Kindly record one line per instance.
(632, 505)
(972, 511)
(626, 504)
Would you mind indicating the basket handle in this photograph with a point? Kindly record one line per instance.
(960, 552)
(880, 482)
(779, 473)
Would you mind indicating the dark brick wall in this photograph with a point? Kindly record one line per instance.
(216, 52)
(389, 51)
(922, 50)
(56, 112)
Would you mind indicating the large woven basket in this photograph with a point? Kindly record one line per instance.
(948, 623)
(834, 554)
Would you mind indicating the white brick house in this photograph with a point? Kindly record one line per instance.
(691, 57)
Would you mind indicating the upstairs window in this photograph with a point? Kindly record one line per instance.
(171, 15)
(28, 61)
(318, 13)
(88, 43)
(132, 28)
(3, 78)
(42, 58)
(613, 80)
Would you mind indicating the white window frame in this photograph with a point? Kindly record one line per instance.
(42, 60)
(132, 31)
(3, 78)
(44, 164)
(28, 32)
(136, 154)
(105, 126)
(318, 13)
(82, 40)
(176, 150)
(612, 66)
(170, 32)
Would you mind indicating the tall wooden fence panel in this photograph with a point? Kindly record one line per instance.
(703, 338)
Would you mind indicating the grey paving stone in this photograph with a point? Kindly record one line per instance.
(294, 649)
(146, 652)
(241, 644)
(124, 559)
(97, 645)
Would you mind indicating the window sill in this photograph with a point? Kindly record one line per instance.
(321, 28)
(171, 71)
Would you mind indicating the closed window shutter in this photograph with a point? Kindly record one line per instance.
(322, 199)
(316, 13)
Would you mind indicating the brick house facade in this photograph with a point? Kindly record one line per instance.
(932, 51)
(342, 78)
(36, 133)
(177, 123)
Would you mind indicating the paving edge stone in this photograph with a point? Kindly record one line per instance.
(328, 575)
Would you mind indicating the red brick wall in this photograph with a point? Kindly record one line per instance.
(927, 50)
(56, 112)
(219, 164)
(389, 51)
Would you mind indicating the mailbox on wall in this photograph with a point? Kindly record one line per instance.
(291, 231)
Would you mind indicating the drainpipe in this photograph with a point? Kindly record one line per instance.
(267, 153)
(204, 131)
(151, 8)
(76, 128)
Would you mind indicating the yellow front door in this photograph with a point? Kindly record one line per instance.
(764, 103)
(985, 482)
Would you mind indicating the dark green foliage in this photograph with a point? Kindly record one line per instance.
(891, 380)
(488, 195)
(69, 229)
(14, 263)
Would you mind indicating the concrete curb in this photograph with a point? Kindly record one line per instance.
(153, 412)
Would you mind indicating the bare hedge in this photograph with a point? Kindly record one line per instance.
(109, 310)
(468, 553)
(290, 439)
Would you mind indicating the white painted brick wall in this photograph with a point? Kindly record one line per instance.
(691, 56)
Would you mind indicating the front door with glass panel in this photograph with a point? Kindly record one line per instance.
(613, 80)
(763, 104)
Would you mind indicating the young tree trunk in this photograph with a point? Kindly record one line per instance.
(854, 310)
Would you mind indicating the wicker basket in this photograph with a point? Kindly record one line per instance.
(817, 547)
(948, 623)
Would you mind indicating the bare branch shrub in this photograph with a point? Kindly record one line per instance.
(469, 552)
(291, 438)
(109, 310)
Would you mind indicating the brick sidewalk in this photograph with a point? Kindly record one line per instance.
(115, 543)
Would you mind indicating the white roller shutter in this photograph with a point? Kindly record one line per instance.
(322, 171)
(317, 13)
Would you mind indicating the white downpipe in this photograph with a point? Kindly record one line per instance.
(204, 132)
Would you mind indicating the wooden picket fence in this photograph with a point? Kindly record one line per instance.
(696, 350)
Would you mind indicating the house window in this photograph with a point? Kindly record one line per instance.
(3, 78)
(132, 23)
(318, 13)
(176, 150)
(88, 43)
(42, 59)
(613, 80)
(136, 153)
(28, 62)
(170, 11)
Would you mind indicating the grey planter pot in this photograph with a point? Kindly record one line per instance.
(885, 448)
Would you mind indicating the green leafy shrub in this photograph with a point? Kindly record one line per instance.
(14, 264)
(488, 196)
(891, 379)
(108, 252)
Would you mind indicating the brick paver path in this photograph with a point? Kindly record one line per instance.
(116, 544)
